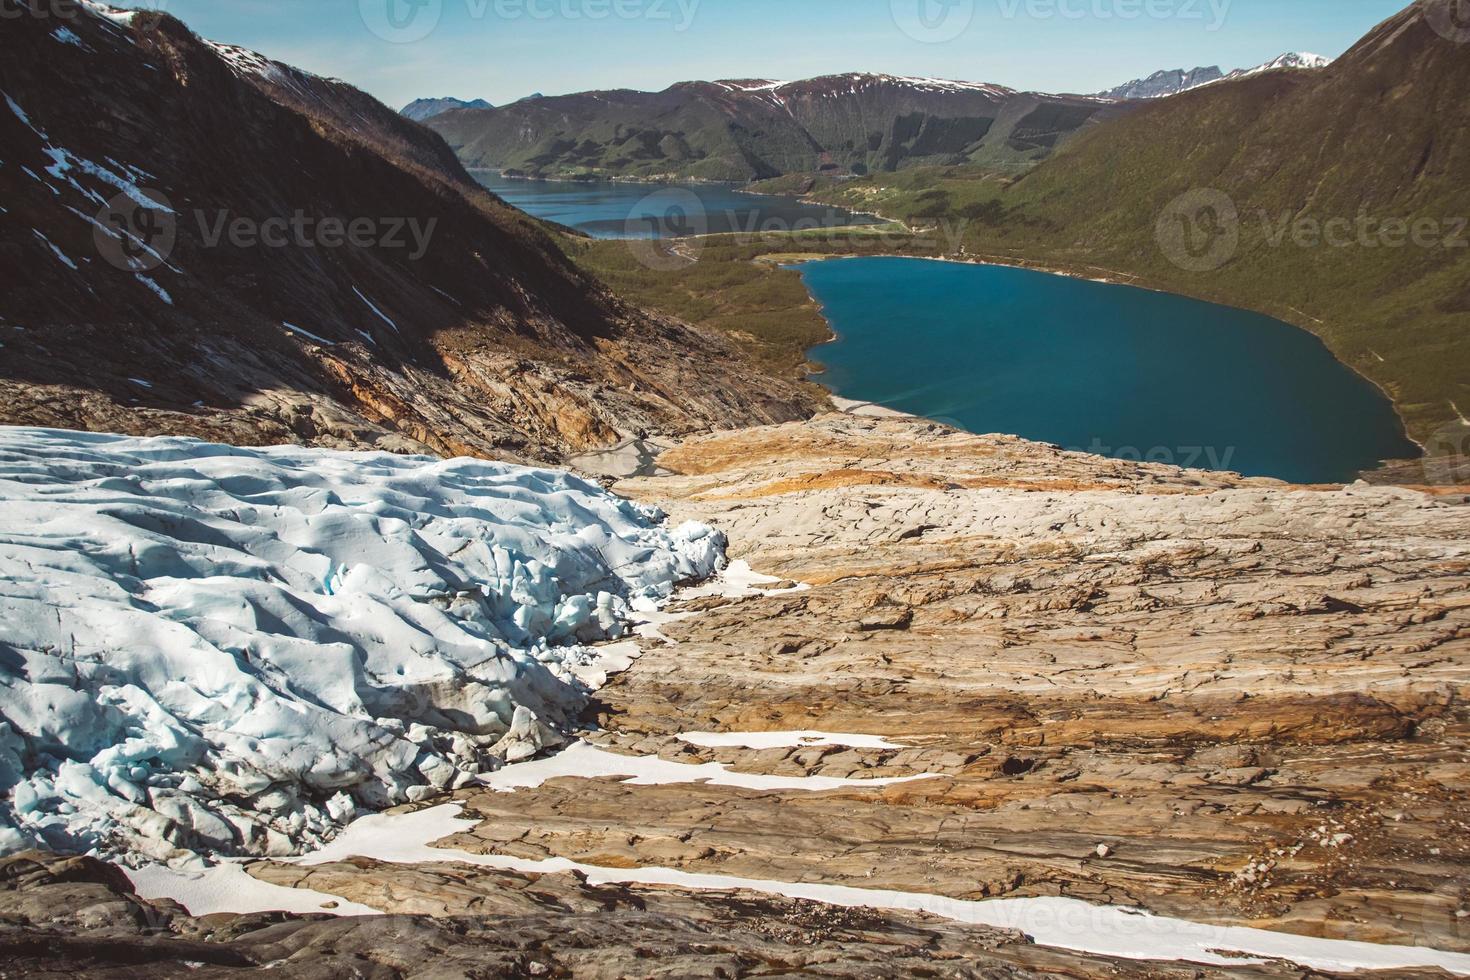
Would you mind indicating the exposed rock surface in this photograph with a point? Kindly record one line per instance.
(1252, 695)
(451, 921)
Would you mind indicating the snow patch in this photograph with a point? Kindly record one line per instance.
(784, 740)
(585, 761)
(68, 36)
(157, 290)
(739, 581)
(373, 306)
(228, 888)
(115, 14)
(243, 61)
(308, 335)
(60, 255)
(21, 115)
(238, 651)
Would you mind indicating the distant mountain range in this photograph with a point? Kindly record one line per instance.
(752, 129)
(1165, 83)
(1171, 82)
(420, 109)
(755, 128)
(218, 245)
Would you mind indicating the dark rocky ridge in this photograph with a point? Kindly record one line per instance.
(490, 343)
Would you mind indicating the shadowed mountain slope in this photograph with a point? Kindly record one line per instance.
(201, 241)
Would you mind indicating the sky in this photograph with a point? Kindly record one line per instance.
(503, 50)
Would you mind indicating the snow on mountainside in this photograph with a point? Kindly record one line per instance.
(855, 82)
(1165, 83)
(211, 648)
(1300, 60)
(132, 152)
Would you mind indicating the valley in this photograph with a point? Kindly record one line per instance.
(1323, 150)
(409, 571)
(139, 317)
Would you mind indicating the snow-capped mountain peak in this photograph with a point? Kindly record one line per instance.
(1162, 84)
(1299, 60)
(852, 82)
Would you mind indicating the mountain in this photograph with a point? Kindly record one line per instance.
(221, 246)
(1165, 83)
(1299, 60)
(420, 109)
(757, 128)
(1162, 83)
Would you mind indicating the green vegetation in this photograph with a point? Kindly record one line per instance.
(711, 131)
(1293, 156)
(736, 283)
(1298, 157)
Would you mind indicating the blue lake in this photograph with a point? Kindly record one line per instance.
(1107, 369)
(605, 209)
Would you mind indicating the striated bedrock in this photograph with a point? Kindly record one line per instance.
(1227, 700)
(1251, 695)
(454, 921)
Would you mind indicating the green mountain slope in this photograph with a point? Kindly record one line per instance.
(1336, 200)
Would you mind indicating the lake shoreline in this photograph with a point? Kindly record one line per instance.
(1391, 469)
(592, 181)
(1293, 317)
(609, 209)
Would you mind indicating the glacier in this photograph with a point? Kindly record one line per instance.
(210, 650)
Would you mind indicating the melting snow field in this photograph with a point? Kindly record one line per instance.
(586, 761)
(785, 740)
(229, 888)
(302, 633)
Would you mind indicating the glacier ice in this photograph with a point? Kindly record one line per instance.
(208, 649)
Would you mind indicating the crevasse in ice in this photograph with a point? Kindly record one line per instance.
(212, 649)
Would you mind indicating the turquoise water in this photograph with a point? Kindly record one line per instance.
(604, 209)
(1112, 370)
